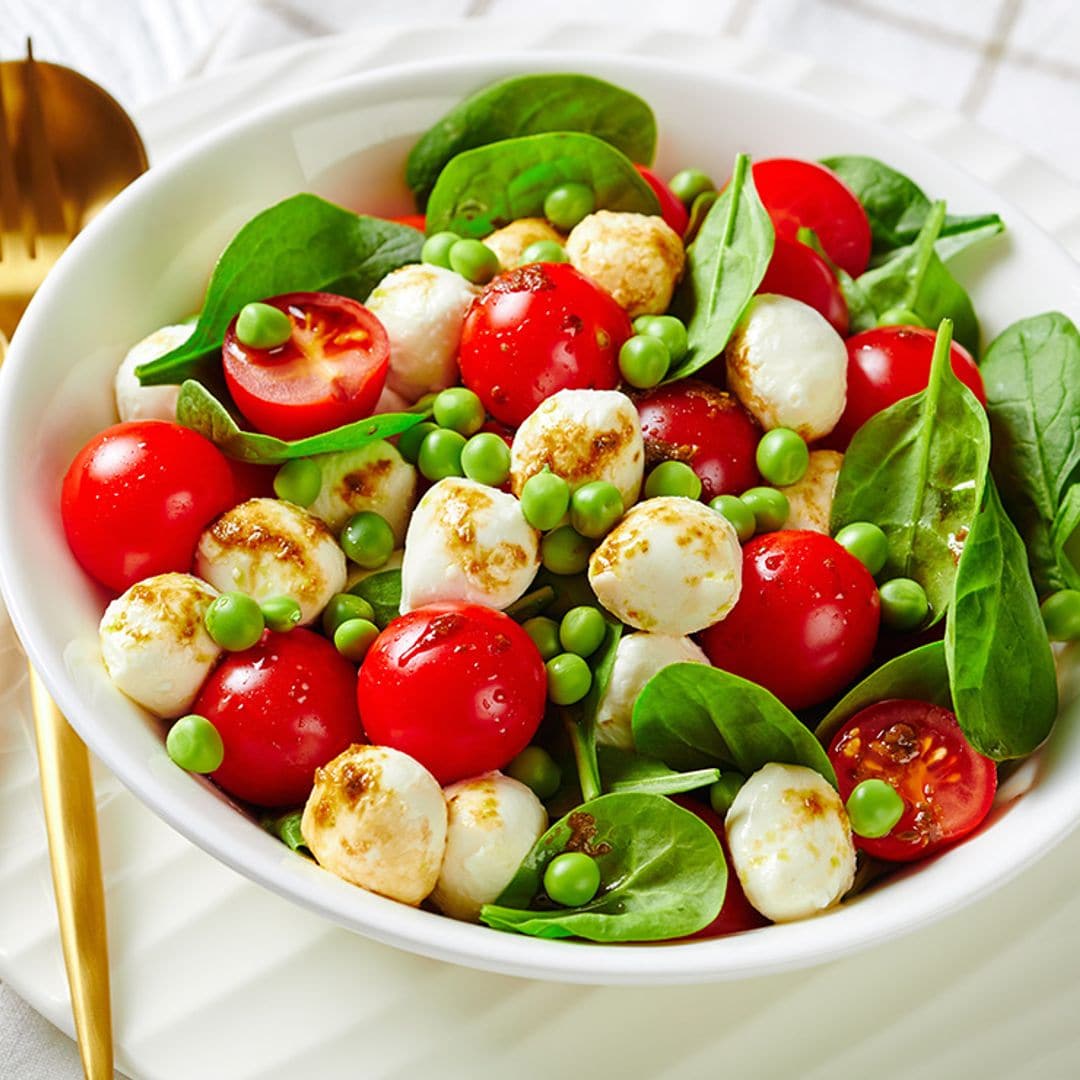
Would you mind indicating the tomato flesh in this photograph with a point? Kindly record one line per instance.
(671, 207)
(917, 748)
(796, 270)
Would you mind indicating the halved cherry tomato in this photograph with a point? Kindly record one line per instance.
(671, 207)
(803, 194)
(796, 270)
(917, 748)
(330, 372)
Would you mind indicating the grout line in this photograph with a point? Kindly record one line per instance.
(477, 8)
(296, 19)
(990, 63)
(923, 28)
(740, 15)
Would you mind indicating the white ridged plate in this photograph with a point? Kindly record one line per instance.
(216, 977)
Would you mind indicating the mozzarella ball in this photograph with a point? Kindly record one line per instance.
(788, 366)
(377, 818)
(389, 401)
(582, 435)
(267, 547)
(638, 657)
(374, 477)
(672, 566)
(811, 498)
(790, 842)
(638, 258)
(154, 644)
(510, 242)
(137, 402)
(493, 823)
(467, 542)
(421, 308)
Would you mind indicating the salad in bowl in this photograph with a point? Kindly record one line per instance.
(591, 554)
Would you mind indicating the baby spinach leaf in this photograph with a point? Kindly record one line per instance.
(694, 717)
(286, 827)
(303, 244)
(198, 409)
(531, 105)
(624, 771)
(724, 267)
(699, 211)
(1001, 669)
(662, 874)
(382, 591)
(917, 470)
(1065, 538)
(1032, 376)
(483, 189)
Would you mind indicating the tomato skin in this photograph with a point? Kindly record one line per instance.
(283, 708)
(252, 481)
(707, 428)
(536, 330)
(801, 194)
(137, 496)
(806, 620)
(330, 372)
(414, 221)
(671, 207)
(796, 270)
(890, 363)
(460, 687)
(898, 741)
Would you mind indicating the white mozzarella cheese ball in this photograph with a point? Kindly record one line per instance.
(790, 842)
(638, 657)
(468, 542)
(377, 818)
(811, 498)
(788, 366)
(137, 402)
(510, 242)
(672, 566)
(637, 258)
(154, 644)
(422, 307)
(374, 477)
(582, 435)
(389, 401)
(493, 823)
(267, 547)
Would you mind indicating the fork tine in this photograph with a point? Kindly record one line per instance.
(45, 197)
(12, 234)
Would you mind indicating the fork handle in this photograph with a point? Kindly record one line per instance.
(71, 823)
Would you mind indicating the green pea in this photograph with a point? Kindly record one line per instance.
(595, 508)
(440, 454)
(900, 316)
(354, 637)
(782, 457)
(460, 410)
(688, 184)
(565, 551)
(436, 249)
(769, 507)
(582, 630)
(342, 608)
(722, 793)
(195, 744)
(1061, 615)
(409, 442)
(644, 361)
(298, 481)
(262, 326)
(572, 879)
(903, 604)
(568, 678)
(485, 458)
(474, 261)
(368, 539)
(665, 328)
(866, 542)
(234, 621)
(281, 613)
(673, 478)
(536, 768)
(568, 203)
(874, 808)
(738, 513)
(549, 251)
(545, 635)
(545, 498)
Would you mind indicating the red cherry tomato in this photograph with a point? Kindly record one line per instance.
(460, 687)
(137, 496)
(919, 749)
(796, 270)
(414, 221)
(252, 481)
(283, 708)
(803, 194)
(330, 372)
(671, 207)
(806, 620)
(890, 363)
(536, 330)
(707, 428)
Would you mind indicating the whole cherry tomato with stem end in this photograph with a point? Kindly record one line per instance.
(796, 270)
(671, 207)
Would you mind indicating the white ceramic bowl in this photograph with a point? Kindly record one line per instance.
(145, 262)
